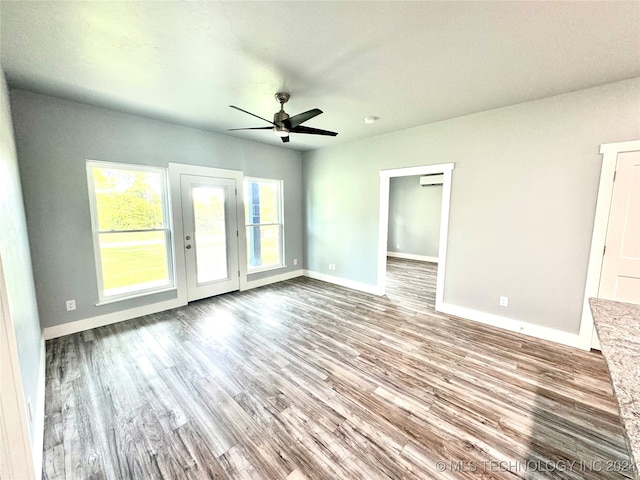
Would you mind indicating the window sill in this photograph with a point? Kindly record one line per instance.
(107, 301)
(265, 269)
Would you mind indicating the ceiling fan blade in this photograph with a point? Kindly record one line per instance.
(252, 114)
(293, 122)
(249, 128)
(313, 131)
(285, 139)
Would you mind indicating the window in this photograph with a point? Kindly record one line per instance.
(131, 229)
(263, 215)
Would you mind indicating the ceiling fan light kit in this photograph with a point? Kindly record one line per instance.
(280, 131)
(283, 124)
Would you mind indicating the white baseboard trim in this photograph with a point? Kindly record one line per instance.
(274, 279)
(109, 318)
(411, 256)
(38, 421)
(121, 316)
(537, 331)
(343, 282)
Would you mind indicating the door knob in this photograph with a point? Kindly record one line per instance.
(188, 237)
(188, 247)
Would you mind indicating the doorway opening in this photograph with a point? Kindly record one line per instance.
(446, 170)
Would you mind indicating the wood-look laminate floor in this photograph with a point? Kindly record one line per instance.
(303, 379)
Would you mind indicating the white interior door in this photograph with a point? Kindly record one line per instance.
(210, 232)
(620, 278)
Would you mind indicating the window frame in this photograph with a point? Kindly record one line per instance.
(280, 224)
(167, 228)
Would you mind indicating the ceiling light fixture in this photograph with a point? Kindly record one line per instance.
(281, 131)
(370, 120)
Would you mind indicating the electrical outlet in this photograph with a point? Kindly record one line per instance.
(295, 261)
(71, 305)
(332, 266)
(504, 301)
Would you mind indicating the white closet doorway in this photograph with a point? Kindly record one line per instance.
(614, 261)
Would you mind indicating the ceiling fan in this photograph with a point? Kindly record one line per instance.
(283, 124)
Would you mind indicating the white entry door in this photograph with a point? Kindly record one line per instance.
(210, 235)
(620, 278)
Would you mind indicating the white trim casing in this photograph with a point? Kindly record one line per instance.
(343, 282)
(446, 169)
(17, 458)
(610, 153)
(411, 256)
(274, 279)
(38, 421)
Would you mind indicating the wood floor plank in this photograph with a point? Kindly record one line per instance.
(308, 380)
(196, 408)
(81, 450)
(207, 465)
(53, 463)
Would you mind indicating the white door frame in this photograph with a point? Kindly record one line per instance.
(16, 456)
(446, 169)
(609, 152)
(177, 169)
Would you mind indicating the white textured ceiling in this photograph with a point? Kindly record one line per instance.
(408, 63)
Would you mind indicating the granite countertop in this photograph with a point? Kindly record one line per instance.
(618, 327)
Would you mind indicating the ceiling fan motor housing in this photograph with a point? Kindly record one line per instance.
(279, 127)
(280, 117)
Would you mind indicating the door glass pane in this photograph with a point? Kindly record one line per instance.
(210, 238)
(133, 261)
(263, 245)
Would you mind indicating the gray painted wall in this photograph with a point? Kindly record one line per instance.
(522, 204)
(16, 264)
(54, 137)
(414, 217)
